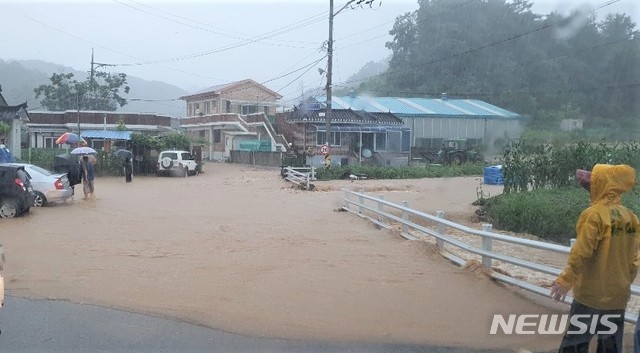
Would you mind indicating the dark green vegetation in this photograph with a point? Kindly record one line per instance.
(19, 78)
(430, 171)
(548, 213)
(541, 195)
(549, 67)
(108, 164)
(100, 91)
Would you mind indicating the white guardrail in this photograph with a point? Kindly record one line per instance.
(384, 211)
(301, 176)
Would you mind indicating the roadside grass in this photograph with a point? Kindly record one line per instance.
(410, 172)
(550, 214)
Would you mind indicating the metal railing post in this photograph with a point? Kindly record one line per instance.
(347, 200)
(487, 244)
(381, 218)
(360, 204)
(405, 216)
(440, 230)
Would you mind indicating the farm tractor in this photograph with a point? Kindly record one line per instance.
(454, 151)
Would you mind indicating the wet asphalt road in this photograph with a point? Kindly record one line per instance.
(56, 326)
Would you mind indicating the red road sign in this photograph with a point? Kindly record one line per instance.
(325, 150)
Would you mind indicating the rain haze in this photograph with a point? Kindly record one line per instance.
(224, 190)
(198, 44)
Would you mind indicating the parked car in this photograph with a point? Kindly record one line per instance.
(48, 186)
(16, 193)
(180, 163)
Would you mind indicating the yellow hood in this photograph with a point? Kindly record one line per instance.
(604, 260)
(609, 182)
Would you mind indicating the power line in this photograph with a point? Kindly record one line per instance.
(113, 50)
(470, 51)
(198, 27)
(429, 16)
(466, 52)
(286, 29)
(519, 92)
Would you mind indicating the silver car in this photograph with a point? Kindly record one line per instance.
(48, 186)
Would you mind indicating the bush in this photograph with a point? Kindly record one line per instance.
(527, 166)
(548, 214)
(375, 172)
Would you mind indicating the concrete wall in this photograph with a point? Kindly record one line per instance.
(267, 159)
(15, 138)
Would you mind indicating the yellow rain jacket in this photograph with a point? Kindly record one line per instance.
(604, 260)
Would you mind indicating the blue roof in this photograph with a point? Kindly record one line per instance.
(422, 106)
(106, 134)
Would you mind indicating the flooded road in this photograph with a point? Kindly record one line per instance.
(237, 249)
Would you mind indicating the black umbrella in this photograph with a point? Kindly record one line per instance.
(66, 163)
(122, 153)
(64, 160)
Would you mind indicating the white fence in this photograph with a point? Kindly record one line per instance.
(301, 176)
(382, 212)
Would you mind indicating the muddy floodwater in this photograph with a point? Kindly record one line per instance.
(238, 249)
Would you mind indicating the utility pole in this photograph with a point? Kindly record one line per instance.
(91, 80)
(78, 113)
(330, 71)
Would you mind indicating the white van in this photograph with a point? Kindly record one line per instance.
(180, 163)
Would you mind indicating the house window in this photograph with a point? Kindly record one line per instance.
(381, 141)
(214, 105)
(49, 142)
(97, 144)
(394, 141)
(266, 110)
(228, 107)
(196, 108)
(207, 107)
(216, 136)
(201, 132)
(321, 138)
(249, 109)
(190, 109)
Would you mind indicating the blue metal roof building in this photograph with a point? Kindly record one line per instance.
(433, 119)
(422, 107)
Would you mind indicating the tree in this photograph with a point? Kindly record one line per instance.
(101, 92)
(121, 125)
(4, 128)
(501, 52)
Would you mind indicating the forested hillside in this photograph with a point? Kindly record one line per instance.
(547, 66)
(19, 79)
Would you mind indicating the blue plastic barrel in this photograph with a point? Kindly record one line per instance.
(493, 175)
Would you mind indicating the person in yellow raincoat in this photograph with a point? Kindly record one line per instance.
(602, 263)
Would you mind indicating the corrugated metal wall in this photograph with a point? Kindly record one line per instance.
(476, 128)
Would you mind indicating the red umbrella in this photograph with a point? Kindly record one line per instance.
(70, 138)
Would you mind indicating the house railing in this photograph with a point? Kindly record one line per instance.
(382, 212)
(301, 176)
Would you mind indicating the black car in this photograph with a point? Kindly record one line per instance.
(16, 193)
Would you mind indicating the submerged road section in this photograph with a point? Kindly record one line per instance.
(58, 326)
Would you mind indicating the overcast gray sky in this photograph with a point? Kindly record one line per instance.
(196, 44)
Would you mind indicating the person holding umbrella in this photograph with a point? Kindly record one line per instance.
(127, 169)
(128, 163)
(88, 176)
